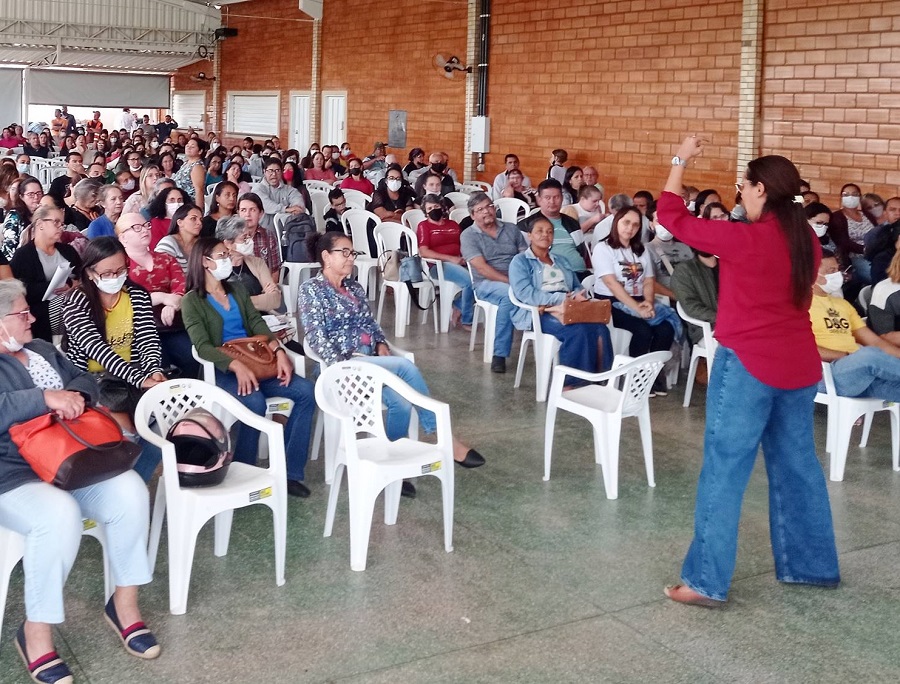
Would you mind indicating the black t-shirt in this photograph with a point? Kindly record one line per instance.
(245, 277)
(59, 189)
(406, 198)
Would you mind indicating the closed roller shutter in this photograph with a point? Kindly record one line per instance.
(253, 113)
(189, 109)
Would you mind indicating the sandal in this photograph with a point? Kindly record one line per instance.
(684, 594)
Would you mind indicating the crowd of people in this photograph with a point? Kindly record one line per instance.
(157, 241)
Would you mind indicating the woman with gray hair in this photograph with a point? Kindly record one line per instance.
(35, 379)
(84, 209)
(111, 200)
(248, 270)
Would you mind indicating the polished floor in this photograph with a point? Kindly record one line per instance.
(548, 581)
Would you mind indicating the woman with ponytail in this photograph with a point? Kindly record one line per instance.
(762, 385)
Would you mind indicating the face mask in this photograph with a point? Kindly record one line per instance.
(111, 286)
(739, 213)
(172, 207)
(850, 202)
(128, 185)
(288, 175)
(834, 283)
(22, 168)
(439, 168)
(223, 269)
(355, 172)
(11, 343)
(436, 214)
(134, 167)
(663, 233)
(393, 185)
(345, 152)
(335, 155)
(876, 212)
(215, 143)
(245, 248)
(154, 144)
(819, 228)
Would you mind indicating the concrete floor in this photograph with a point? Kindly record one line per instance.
(548, 581)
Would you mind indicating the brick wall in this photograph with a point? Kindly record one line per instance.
(831, 93)
(183, 81)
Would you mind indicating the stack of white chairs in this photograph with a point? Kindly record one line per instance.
(356, 199)
(459, 214)
(320, 206)
(460, 199)
(412, 218)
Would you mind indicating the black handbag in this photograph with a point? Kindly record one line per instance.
(117, 395)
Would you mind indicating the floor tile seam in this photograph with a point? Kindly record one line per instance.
(451, 651)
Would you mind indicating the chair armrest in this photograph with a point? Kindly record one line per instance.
(298, 360)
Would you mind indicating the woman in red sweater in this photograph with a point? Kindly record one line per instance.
(762, 385)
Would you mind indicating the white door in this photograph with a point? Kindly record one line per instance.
(300, 120)
(334, 118)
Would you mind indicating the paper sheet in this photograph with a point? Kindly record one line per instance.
(58, 280)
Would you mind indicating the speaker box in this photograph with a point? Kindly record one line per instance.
(225, 32)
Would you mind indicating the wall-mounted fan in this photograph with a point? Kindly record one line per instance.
(201, 77)
(449, 67)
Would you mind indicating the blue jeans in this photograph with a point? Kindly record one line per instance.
(459, 276)
(579, 343)
(176, 351)
(868, 372)
(50, 519)
(398, 409)
(498, 293)
(297, 430)
(743, 413)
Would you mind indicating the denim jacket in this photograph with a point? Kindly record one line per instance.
(525, 277)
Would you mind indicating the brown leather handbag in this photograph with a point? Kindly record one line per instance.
(255, 353)
(588, 311)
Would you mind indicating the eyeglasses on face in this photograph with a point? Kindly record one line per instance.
(36, 194)
(140, 227)
(346, 252)
(112, 275)
(485, 208)
(23, 314)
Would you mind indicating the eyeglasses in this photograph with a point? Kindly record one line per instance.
(140, 227)
(36, 194)
(739, 186)
(394, 178)
(346, 252)
(112, 275)
(23, 314)
(56, 223)
(486, 207)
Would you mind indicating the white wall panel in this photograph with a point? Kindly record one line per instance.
(92, 89)
(11, 101)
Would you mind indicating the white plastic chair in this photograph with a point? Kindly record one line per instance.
(474, 186)
(388, 236)
(12, 550)
(293, 275)
(48, 174)
(625, 394)
(706, 349)
(412, 218)
(320, 205)
(865, 296)
(321, 186)
(489, 311)
(546, 350)
(842, 415)
(355, 222)
(190, 508)
(460, 199)
(621, 339)
(459, 214)
(350, 393)
(448, 291)
(356, 197)
(509, 208)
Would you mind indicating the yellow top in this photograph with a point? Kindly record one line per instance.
(833, 322)
(119, 330)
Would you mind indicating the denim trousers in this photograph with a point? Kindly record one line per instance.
(579, 343)
(743, 414)
(497, 293)
(176, 351)
(398, 409)
(297, 429)
(645, 338)
(868, 372)
(459, 276)
(50, 519)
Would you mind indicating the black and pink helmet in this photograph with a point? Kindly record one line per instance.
(202, 448)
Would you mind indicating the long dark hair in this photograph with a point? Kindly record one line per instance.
(23, 212)
(781, 181)
(179, 215)
(97, 250)
(614, 241)
(196, 268)
(157, 206)
(220, 187)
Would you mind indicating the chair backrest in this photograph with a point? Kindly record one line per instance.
(532, 212)
(474, 186)
(356, 196)
(865, 296)
(320, 206)
(389, 235)
(323, 186)
(588, 283)
(459, 199)
(352, 392)
(412, 218)
(509, 209)
(709, 342)
(355, 222)
(459, 214)
(535, 314)
(639, 376)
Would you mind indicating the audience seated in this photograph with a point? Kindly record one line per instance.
(223, 205)
(502, 179)
(60, 189)
(516, 189)
(884, 306)
(161, 210)
(277, 197)
(881, 242)
(862, 363)
(416, 161)
(393, 197)
(376, 161)
(248, 270)
(616, 203)
(18, 217)
(557, 169)
(216, 311)
(587, 210)
(848, 227)
(667, 252)
(35, 264)
(568, 236)
(110, 200)
(213, 170)
(703, 198)
(489, 246)
(539, 277)
(696, 286)
(184, 231)
(338, 206)
(355, 180)
(436, 166)
(318, 171)
(83, 210)
(574, 180)
(265, 243)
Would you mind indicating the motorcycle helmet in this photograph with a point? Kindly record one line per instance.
(202, 448)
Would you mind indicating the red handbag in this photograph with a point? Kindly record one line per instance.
(72, 454)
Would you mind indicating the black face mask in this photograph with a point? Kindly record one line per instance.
(438, 168)
(355, 172)
(436, 214)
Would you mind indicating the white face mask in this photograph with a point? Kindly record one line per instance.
(11, 343)
(393, 185)
(819, 228)
(172, 207)
(111, 286)
(134, 167)
(128, 185)
(663, 233)
(223, 269)
(850, 202)
(335, 155)
(834, 283)
(22, 168)
(245, 248)
(345, 153)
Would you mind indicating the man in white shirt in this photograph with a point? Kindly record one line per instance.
(277, 196)
(502, 179)
(126, 121)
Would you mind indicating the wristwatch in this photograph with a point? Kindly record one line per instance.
(678, 161)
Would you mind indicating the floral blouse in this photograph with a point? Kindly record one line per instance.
(166, 275)
(338, 324)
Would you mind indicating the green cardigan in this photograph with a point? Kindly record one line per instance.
(204, 324)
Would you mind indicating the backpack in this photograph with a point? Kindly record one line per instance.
(293, 237)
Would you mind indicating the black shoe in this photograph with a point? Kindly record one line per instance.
(472, 460)
(408, 489)
(659, 388)
(297, 488)
(498, 364)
